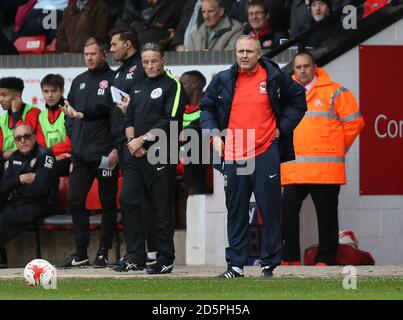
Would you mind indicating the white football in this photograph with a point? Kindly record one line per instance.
(39, 272)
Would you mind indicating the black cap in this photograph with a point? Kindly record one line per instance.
(12, 83)
(327, 2)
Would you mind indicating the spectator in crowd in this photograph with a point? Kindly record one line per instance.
(39, 17)
(279, 12)
(259, 26)
(125, 49)
(161, 24)
(190, 20)
(300, 17)
(51, 129)
(82, 19)
(218, 31)
(88, 127)
(195, 173)
(11, 89)
(319, 11)
(7, 47)
(131, 16)
(321, 141)
(251, 163)
(29, 183)
(156, 104)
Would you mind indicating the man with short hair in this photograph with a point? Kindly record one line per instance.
(218, 31)
(51, 129)
(29, 183)
(321, 141)
(93, 155)
(125, 49)
(156, 106)
(259, 26)
(320, 10)
(11, 89)
(259, 106)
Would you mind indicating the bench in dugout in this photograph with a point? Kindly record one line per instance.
(63, 222)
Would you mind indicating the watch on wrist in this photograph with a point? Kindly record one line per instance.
(145, 138)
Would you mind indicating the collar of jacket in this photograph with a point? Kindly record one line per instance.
(58, 104)
(225, 27)
(271, 67)
(30, 154)
(104, 68)
(129, 61)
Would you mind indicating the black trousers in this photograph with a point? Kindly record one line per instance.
(149, 217)
(16, 218)
(325, 199)
(144, 182)
(264, 182)
(80, 181)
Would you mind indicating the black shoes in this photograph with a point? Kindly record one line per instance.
(74, 261)
(124, 265)
(158, 268)
(267, 272)
(101, 259)
(230, 273)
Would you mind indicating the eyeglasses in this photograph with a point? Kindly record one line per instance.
(26, 136)
(258, 14)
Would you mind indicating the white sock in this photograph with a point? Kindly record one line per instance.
(152, 255)
(239, 270)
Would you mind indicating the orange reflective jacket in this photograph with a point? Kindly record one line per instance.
(322, 138)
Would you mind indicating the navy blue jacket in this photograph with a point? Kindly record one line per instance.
(286, 96)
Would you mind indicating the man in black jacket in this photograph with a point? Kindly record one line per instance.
(29, 183)
(93, 155)
(124, 48)
(259, 106)
(156, 106)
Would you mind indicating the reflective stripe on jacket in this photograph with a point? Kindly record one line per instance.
(324, 135)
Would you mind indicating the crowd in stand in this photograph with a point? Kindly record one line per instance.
(175, 24)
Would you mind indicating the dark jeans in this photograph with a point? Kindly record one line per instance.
(325, 199)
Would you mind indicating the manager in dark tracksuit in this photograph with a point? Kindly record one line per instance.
(88, 127)
(259, 106)
(28, 188)
(157, 103)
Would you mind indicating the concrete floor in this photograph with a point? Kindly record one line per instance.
(207, 272)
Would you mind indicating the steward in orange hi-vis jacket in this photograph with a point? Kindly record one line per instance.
(321, 141)
(323, 137)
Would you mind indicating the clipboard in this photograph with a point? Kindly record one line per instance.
(118, 95)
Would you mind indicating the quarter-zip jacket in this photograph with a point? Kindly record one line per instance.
(126, 77)
(90, 138)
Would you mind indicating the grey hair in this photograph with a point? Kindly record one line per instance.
(249, 37)
(153, 46)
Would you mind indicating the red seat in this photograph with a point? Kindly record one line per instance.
(51, 48)
(31, 44)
